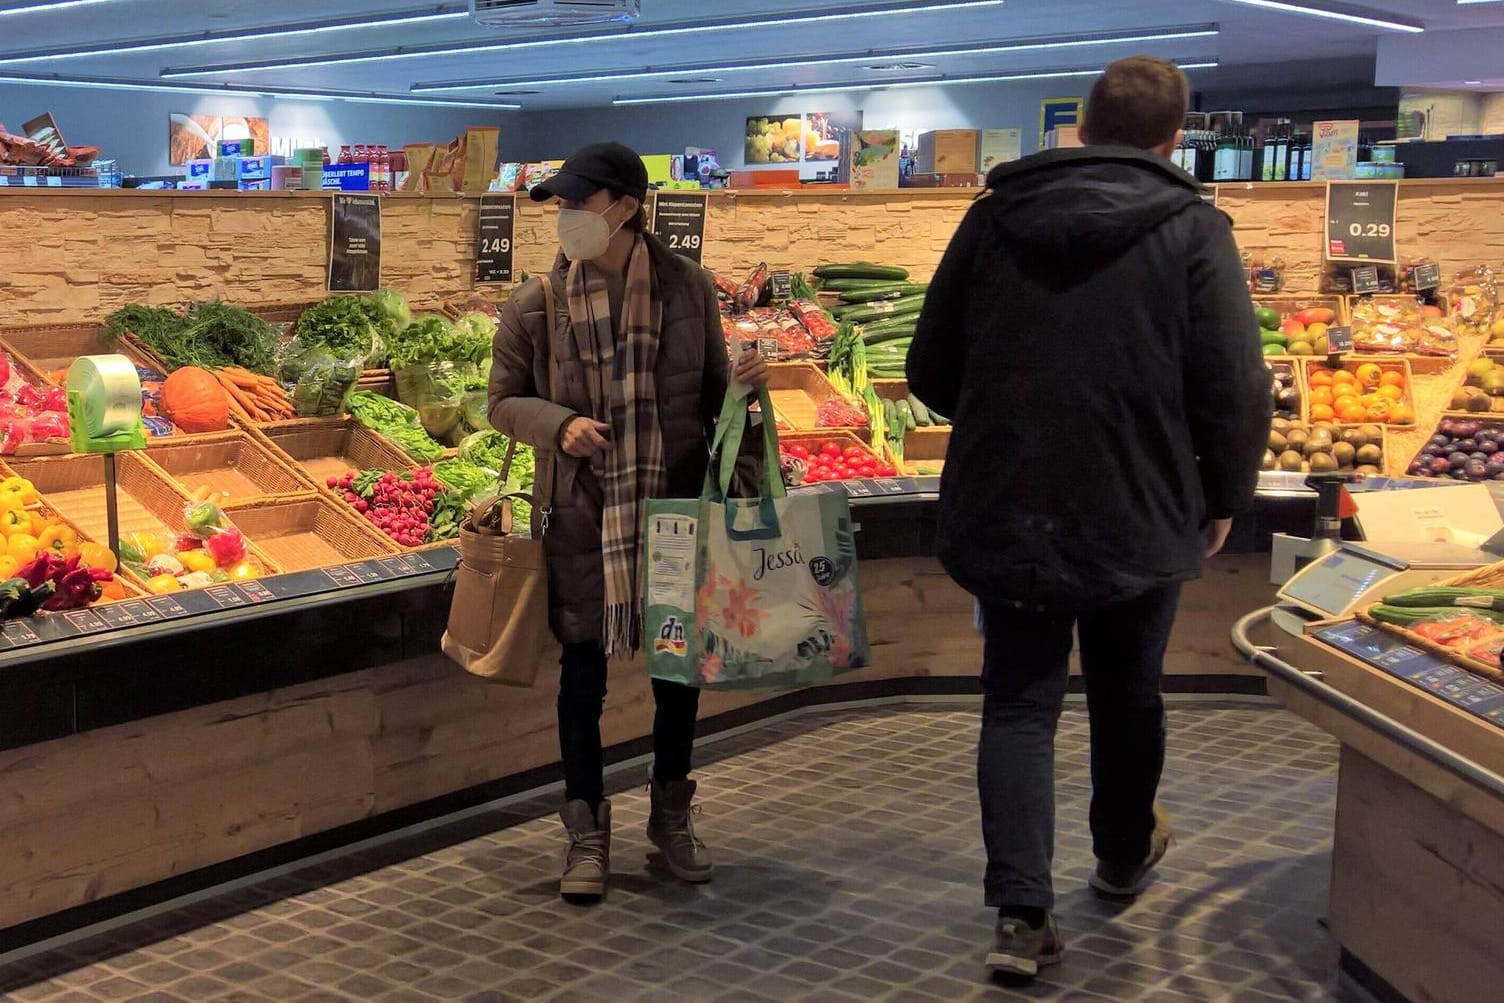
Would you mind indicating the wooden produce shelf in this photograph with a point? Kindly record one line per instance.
(332, 447)
(232, 463)
(309, 531)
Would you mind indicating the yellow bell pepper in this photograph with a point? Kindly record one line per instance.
(8, 566)
(60, 539)
(20, 488)
(94, 555)
(23, 548)
(14, 520)
(163, 584)
(244, 571)
(196, 560)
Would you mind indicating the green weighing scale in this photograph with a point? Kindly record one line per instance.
(104, 417)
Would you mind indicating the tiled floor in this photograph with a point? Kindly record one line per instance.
(849, 856)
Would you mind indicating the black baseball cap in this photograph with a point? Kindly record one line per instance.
(589, 169)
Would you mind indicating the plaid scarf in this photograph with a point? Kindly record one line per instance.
(622, 361)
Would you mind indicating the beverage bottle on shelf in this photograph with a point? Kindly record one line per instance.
(344, 154)
(1245, 157)
(384, 158)
(326, 156)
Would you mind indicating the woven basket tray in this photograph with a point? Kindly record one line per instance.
(1491, 577)
(332, 447)
(310, 531)
(797, 389)
(232, 463)
(1388, 363)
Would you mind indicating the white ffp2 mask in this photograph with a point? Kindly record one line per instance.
(585, 235)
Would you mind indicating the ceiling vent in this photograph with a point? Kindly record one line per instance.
(553, 13)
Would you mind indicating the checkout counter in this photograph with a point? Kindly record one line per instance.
(1417, 891)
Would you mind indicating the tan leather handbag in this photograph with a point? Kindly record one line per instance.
(499, 612)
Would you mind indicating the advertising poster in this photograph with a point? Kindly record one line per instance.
(1057, 112)
(355, 244)
(810, 138)
(1334, 151)
(196, 137)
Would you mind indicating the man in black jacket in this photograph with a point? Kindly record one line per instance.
(1091, 334)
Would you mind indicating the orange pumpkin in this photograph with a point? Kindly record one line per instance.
(195, 402)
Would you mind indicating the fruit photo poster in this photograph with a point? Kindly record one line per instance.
(809, 138)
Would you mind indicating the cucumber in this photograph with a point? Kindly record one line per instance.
(866, 313)
(921, 413)
(854, 285)
(886, 292)
(909, 321)
(1435, 596)
(1409, 616)
(862, 270)
(887, 335)
(907, 414)
(890, 414)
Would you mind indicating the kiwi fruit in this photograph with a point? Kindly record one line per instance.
(1291, 460)
(1354, 437)
(1370, 456)
(1280, 425)
(1296, 438)
(1461, 401)
(1344, 453)
(1317, 445)
(1270, 460)
(1369, 470)
(1277, 442)
(1323, 463)
(1374, 433)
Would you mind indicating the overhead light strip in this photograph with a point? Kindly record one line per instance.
(1350, 15)
(246, 35)
(252, 92)
(47, 5)
(865, 57)
(632, 34)
(928, 82)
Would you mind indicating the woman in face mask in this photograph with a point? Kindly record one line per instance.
(639, 371)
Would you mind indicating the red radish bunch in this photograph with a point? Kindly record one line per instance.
(399, 505)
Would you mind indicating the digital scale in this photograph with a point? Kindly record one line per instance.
(1356, 575)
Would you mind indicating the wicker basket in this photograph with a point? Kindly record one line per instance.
(1459, 658)
(923, 448)
(232, 463)
(331, 447)
(309, 531)
(797, 390)
(149, 502)
(1289, 305)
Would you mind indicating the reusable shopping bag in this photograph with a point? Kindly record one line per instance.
(756, 593)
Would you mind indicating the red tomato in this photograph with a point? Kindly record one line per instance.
(869, 470)
(853, 452)
(798, 451)
(831, 450)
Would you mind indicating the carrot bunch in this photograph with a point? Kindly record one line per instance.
(260, 397)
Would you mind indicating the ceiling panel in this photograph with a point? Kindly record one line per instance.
(1247, 35)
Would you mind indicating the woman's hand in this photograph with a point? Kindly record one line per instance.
(751, 370)
(583, 437)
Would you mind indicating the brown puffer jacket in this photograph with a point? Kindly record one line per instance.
(692, 376)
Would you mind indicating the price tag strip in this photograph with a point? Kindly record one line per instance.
(679, 221)
(1360, 221)
(494, 235)
(1421, 669)
(228, 596)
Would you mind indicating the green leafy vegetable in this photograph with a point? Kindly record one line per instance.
(470, 480)
(349, 327)
(394, 308)
(377, 412)
(429, 338)
(414, 442)
(211, 336)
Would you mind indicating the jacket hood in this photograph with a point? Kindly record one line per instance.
(1086, 204)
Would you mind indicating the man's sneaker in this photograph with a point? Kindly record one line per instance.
(587, 863)
(1021, 949)
(1126, 881)
(671, 828)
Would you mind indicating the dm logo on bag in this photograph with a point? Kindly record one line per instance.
(670, 640)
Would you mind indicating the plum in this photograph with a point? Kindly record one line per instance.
(1457, 460)
(1441, 466)
(1476, 470)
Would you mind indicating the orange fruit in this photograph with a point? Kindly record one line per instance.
(1352, 413)
(1322, 412)
(1346, 400)
(1379, 412)
(1370, 373)
(1344, 378)
(1321, 377)
(1402, 414)
(1390, 392)
(1392, 378)
(1322, 395)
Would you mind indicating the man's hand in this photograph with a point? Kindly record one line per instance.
(751, 369)
(583, 437)
(1216, 536)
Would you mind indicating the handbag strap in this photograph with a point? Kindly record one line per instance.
(546, 460)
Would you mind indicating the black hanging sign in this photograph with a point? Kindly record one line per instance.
(1427, 277)
(1360, 220)
(1366, 281)
(1339, 340)
(493, 240)
(679, 221)
(355, 244)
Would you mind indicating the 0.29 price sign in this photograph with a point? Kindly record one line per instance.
(679, 221)
(1360, 221)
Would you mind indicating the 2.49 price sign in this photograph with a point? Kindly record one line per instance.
(679, 221)
(1360, 221)
(493, 238)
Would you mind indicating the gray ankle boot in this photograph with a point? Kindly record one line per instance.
(671, 829)
(587, 863)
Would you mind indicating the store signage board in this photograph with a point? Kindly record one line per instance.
(1339, 340)
(679, 221)
(493, 241)
(782, 285)
(355, 244)
(1432, 673)
(218, 598)
(1360, 220)
(347, 177)
(1427, 277)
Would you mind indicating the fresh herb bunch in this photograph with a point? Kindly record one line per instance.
(429, 338)
(211, 336)
(149, 323)
(348, 326)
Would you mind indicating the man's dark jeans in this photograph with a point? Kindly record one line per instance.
(1024, 676)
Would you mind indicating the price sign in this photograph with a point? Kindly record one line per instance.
(1339, 340)
(782, 285)
(1427, 277)
(1360, 220)
(679, 221)
(493, 240)
(355, 244)
(1366, 280)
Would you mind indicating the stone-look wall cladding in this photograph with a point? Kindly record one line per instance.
(74, 257)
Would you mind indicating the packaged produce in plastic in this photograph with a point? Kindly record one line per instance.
(436, 390)
(318, 380)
